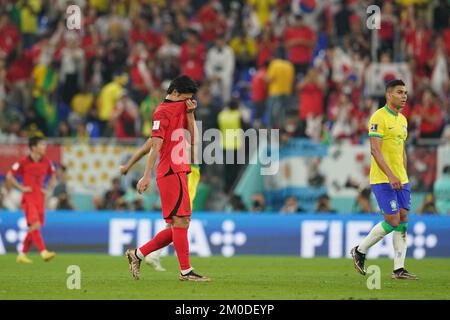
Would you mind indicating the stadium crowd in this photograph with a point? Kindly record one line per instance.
(300, 66)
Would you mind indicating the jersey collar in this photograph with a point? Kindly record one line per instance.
(390, 111)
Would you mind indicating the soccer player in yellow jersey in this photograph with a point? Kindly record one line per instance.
(153, 258)
(388, 129)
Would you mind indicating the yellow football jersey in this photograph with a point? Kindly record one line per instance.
(393, 129)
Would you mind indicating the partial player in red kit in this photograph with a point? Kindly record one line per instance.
(171, 117)
(34, 169)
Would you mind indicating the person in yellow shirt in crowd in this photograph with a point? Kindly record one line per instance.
(263, 9)
(245, 49)
(107, 99)
(280, 79)
(28, 13)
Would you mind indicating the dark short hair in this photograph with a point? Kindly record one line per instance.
(394, 83)
(183, 84)
(446, 169)
(34, 141)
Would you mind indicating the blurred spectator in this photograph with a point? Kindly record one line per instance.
(259, 93)
(323, 205)
(280, 78)
(107, 99)
(64, 202)
(300, 41)
(124, 118)
(342, 21)
(441, 14)
(112, 199)
(20, 66)
(231, 124)
(344, 125)
(83, 101)
(10, 35)
(266, 46)
(134, 200)
(291, 205)
(258, 203)
(12, 198)
(363, 202)
(147, 108)
(192, 56)
(168, 55)
(310, 95)
(72, 67)
(244, 48)
(388, 23)
(207, 109)
(29, 11)
(115, 52)
(441, 191)
(263, 9)
(219, 68)
(428, 205)
(60, 199)
(427, 116)
(236, 204)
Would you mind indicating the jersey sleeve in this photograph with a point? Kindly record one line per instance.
(51, 168)
(17, 168)
(376, 126)
(160, 123)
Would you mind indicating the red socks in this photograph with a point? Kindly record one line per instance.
(27, 243)
(181, 244)
(162, 239)
(35, 237)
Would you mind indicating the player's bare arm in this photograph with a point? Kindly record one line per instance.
(405, 159)
(375, 149)
(145, 149)
(51, 185)
(144, 182)
(10, 177)
(194, 140)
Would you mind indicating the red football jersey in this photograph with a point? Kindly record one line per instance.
(169, 120)
(33, 174)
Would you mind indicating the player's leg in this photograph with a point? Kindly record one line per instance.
(400, 236)
(27, 241)
(38, 239)
(162, 238)
(387, 201)
(181, 219)
(181, 244)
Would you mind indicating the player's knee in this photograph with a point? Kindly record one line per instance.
(181, 222)
(35, 226)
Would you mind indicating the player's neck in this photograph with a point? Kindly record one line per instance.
(35, 157)
(392, 109)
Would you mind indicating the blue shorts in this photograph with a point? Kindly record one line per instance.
(391, 201)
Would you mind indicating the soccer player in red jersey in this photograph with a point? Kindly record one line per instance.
(168, 140)
(33, 169)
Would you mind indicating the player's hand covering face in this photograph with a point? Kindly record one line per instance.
(191, 105)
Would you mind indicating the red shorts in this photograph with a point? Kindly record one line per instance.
(34, 212)
(173, 190)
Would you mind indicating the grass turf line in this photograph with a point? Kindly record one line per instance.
(236, 278)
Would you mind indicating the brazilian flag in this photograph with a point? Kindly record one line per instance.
(43, 106)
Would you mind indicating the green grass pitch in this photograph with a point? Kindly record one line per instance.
(240, 277)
